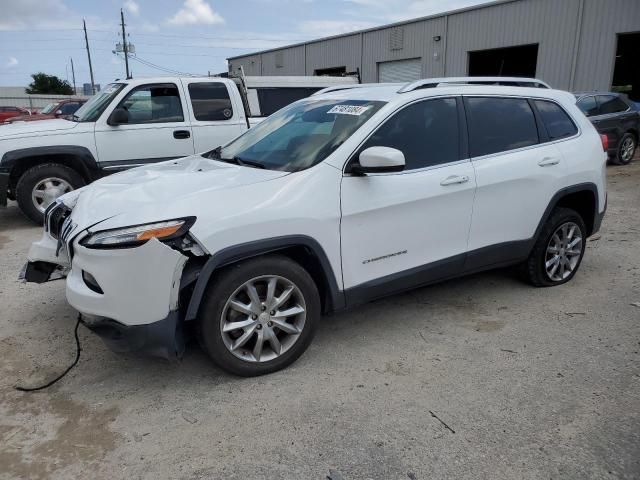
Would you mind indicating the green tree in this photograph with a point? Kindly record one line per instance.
(48, 85)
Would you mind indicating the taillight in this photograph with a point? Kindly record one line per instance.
(605, 142)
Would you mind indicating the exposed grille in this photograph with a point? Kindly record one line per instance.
(55, 219)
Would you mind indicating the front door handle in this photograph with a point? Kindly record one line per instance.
(548, 161)
(180, 134)
(454, 180)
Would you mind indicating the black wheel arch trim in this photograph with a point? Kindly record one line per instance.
(249, 250)
(580, 187)
(88, 166)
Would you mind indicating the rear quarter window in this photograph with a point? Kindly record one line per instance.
(210, 101)
(557, 122)
(499, 124)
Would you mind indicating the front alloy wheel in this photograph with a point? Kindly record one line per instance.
(258, 316)
(263, 318)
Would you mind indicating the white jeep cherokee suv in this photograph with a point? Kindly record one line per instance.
(335, 200)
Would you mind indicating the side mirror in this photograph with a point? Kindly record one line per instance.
(58, 113)
(118, 117)
(379, 160)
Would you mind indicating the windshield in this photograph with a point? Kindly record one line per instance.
(49, 108)
(299, 136)
(97, 104)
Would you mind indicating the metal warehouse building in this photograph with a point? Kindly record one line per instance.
(570, 44)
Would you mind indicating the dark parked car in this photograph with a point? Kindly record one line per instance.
(616, 117)
(61, 109)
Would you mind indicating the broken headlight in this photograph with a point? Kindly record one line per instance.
(137, 235)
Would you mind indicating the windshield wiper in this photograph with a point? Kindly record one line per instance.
(215, 153)
(241, 161)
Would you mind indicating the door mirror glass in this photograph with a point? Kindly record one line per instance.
(118, 117)
(379, 160)
(58, 113)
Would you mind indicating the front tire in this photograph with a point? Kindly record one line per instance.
(39, 186)
(259, 316)
(626, 149)
(558, 251)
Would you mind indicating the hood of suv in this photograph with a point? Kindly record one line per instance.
(150, 190)
(20, 129)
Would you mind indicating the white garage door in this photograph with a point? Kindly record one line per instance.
(400, 70)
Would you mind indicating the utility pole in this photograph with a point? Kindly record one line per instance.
(86, 42)
(73, 76)
(125, 45)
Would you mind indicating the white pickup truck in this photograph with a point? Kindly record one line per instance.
(135, 122)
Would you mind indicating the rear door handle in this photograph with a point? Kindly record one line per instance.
(454, 180)
(180, 134)
(548, 161)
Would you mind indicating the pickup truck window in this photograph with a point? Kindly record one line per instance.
(91, 111)
(273, 99)
(301, 135)
(210, 101)
(156, 103)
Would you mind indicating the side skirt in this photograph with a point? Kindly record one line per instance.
(487, 258)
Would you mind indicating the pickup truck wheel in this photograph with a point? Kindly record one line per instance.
(558, 251)
(39, 186)
(626, 149)
(259, 316)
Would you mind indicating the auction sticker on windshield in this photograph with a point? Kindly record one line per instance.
(350, 109)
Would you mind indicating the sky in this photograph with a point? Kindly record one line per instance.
(184, 36)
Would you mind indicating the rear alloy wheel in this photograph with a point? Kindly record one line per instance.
(558, 251)
(259, 316)
(626, 149)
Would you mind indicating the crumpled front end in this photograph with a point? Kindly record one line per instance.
(128, 296)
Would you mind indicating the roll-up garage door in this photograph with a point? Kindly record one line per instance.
(400, 70)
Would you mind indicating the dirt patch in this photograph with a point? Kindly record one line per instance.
(45, 432)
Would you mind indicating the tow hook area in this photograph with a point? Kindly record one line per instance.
(41, 272)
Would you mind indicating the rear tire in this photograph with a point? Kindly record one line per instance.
(558, 251)
(41, 185)
(626, 149)
(251, 349)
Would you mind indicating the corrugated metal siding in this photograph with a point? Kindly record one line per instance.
(252, 65)
(601, 22)
(549, 23)
(417, 43)
(337, 52)
(292, 62)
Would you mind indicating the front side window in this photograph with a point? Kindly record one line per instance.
(588, 105)
(153, 104)
(425, 132)
(499, 124)
(69, 108)
(210, 101)
(556, 120)
(610, 104)
(97, 104)
(301, 135)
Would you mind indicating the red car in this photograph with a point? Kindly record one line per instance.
(61, 109)
(7, 113)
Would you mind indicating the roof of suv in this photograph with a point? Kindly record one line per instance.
(390, 92)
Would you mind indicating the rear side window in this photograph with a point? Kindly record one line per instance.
(588, 106)
(556, 121)
(499, 124)
(273, 99)
(426, 132)
(610, 104)
(69, 108)
(210, 101)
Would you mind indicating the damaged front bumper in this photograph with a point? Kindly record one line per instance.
(129, 296)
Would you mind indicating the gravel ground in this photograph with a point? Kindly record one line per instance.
(481, 377)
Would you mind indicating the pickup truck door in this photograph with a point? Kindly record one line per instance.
(216, 112)
(157, 128)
